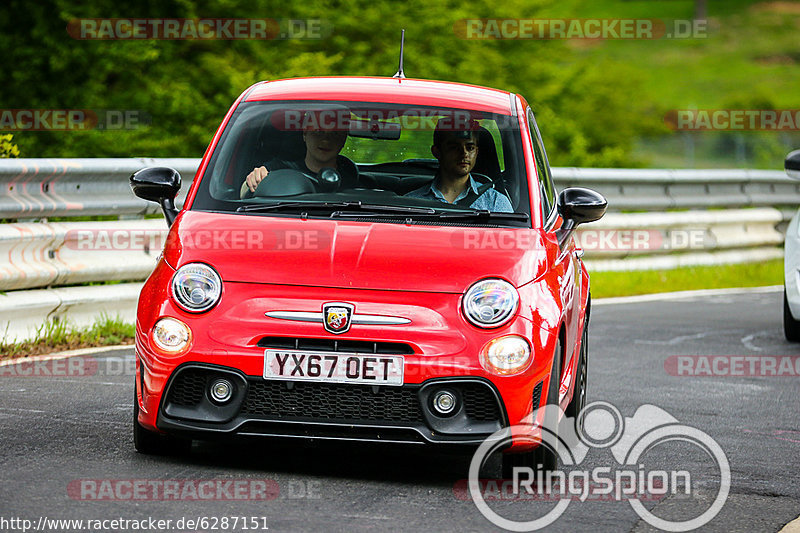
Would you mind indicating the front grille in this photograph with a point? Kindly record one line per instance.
(335, 345)
(189, 387)
(479, 402)
(332, 401)
(299, 401)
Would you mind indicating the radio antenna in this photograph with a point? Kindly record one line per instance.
(400, 73)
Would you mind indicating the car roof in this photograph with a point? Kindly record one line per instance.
(395, 90)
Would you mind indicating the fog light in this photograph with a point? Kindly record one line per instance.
(221, 391)
(444, 402)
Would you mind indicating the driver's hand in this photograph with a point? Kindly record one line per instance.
(254, 178)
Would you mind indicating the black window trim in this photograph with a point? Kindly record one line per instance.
(552, 216)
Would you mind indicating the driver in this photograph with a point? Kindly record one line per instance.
(324, 139)
(456, 148)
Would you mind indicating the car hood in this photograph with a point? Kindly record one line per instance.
(350, 254)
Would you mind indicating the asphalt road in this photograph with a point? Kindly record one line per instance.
(66, 449)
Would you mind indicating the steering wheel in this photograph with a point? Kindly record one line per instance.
(291, 182)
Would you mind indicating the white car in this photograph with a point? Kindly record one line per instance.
(791, 262)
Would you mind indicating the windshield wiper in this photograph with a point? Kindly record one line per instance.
(344, 209)
(481, 214)
(383, 209)
(337, 207)
(291, 205)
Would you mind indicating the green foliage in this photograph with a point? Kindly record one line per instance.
(55, 336)
(185, 87)
(8, 148)
(593, 99)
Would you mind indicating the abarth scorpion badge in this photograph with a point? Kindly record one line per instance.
(337, 316)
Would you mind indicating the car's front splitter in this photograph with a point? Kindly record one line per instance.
(328, 410)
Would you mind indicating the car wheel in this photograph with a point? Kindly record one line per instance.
(578, 401)
(542, 455)
(152, 443)
(791, 327)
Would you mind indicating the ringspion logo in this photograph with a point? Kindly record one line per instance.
(629, 440)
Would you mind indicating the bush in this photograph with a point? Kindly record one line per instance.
(7, 148)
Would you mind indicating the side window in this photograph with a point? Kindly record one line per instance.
(547, 189)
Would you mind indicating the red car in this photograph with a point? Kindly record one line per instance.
(365, 259)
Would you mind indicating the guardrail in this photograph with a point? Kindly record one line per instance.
(40, 259)
(33, 188)
(643, 241)
(43, 254)
(660, 189)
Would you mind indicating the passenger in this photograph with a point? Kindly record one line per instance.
(323, 143)
(457, 151)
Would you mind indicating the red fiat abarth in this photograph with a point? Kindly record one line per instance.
(365, 259)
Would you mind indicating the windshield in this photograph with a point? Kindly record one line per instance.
(383, 162)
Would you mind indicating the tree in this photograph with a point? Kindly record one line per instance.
(184, 87)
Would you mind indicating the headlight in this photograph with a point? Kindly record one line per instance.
(490, 303)
(196, 287)
(506, 355)
(171, 336)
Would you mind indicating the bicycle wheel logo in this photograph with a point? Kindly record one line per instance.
(602, 426)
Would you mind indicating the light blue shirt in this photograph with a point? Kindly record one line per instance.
(490, 200)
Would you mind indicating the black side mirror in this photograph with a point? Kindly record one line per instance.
(578, 206)
(792, 164)
(160, 185)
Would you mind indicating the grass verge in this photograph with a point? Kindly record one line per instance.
(60, 336)
(609, 284)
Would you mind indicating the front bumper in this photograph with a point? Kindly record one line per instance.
(438, 345)
(328, 410)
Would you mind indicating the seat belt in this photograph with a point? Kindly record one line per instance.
(472, 195)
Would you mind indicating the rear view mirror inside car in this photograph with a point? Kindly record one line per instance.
(375, 129)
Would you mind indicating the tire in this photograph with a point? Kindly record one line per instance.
(152, 443)
(578, 401)
(791, 327)
(541, 455)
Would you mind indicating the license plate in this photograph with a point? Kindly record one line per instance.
(335, 367)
